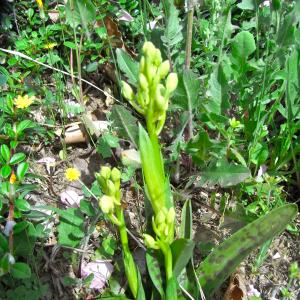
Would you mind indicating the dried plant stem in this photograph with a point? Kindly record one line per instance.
(189, 37)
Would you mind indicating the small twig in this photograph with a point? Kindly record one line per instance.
(15, 19)
(186, 292)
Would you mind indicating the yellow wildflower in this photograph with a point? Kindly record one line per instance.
(40, 4)
(72, 174)
(50, 45)
(23, 101)
(13, 178)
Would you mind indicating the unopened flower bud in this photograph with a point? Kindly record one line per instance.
(150, 242)
(161, 228)
(234, 123)
(115, 175)
(111, 189)
(172, 82)
(160, 99)
(142, 64)
(127, 91)
(157, 57)
(105, 172)
(148, 48)
(151, 72)
(164, 69)
(171, 215)
(143, 81)
(106, 204)
(160, 218)
(166, 231)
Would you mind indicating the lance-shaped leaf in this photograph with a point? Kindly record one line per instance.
(127, 65)
(153, 169)
(224, 259)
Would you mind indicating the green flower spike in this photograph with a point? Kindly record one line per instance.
(110, 204)
(155, 85)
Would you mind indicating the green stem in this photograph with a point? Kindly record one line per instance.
(166, 250)
(129, 264)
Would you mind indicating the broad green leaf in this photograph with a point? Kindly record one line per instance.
(124, 123)
(218, 91)
(243, 45)
(71, 227)
(225, 258)
(154, 272)
(153, 169)
(5, 152)
(5, 171)
(24, 240)
(199, 146)
(87, 208)
(286, 32)
(128, 66)
(22, 204)
(20, 270)
(3, 243)
(21, 226)
(171, 292)
(186, 96)
(140, 292)
(25, 124)
(182, 251)
(224, 174)
(80, 12)
(247, 4)
(105, 143)
(22, 170)
(17, 158)
(69, 44)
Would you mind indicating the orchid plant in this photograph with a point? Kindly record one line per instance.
(165, 252)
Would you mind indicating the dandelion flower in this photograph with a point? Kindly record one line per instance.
(50, 45)
(40, 4)
(72, 174)
(23, 101)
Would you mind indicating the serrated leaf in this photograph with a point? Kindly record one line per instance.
(224, 174)
(186, 94)
(128, 66)
(225, 258)
(173, 31)
(70, 228)
(105, 143)
(125, 123)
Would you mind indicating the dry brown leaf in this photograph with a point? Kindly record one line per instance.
(237, 288)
